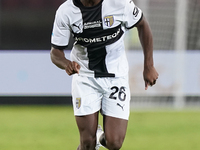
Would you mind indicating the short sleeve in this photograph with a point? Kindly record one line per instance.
(61, 31)
(132, 14)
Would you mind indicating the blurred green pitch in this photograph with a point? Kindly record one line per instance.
(54, 128)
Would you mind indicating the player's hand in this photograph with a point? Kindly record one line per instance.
(72, 67)
(150, 76)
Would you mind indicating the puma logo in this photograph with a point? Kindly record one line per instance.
(78, 26)
(121, 106)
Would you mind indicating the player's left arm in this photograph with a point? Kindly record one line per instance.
(145, 35)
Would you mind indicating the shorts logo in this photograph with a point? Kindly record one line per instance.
(109, 20)
(121, 106)
(78, 102)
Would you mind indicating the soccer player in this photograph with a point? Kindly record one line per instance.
(99, 65)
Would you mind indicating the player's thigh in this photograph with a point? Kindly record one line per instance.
(115, 129)
(87, 125)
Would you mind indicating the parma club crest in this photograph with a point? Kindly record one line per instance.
(78, 102)
(109, 20)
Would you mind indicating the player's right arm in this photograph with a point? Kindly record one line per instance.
(59, 59)
(59, 40)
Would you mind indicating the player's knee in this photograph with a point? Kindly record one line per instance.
(114, 144)
(88, 142)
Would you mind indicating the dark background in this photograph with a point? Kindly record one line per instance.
(27, 24)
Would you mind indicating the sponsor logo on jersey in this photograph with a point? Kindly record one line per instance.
(99, 39)
(94, 24)
(109, 20)
(78, 102)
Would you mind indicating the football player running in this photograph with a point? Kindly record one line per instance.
(99, 65)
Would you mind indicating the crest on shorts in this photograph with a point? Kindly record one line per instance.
(109, 20)
(78, 102)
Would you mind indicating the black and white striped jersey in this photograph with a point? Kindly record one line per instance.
(99, 34)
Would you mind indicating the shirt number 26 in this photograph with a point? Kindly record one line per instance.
(118, 92)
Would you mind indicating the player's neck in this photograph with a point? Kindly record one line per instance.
(90, 3)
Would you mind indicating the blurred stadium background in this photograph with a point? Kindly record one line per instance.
(28, 77)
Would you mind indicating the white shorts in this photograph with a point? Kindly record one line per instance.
(110, 95)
